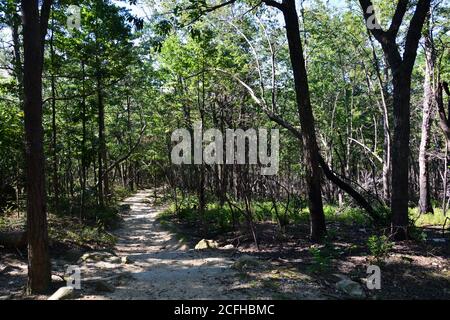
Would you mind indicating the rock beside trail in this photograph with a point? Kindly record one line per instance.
(56, 278)
(126, 260)
(228, 247)
(206, 244)
(351, 288)
(63, 293)
(100, 256)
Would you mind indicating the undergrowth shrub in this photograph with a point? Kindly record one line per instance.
(379, 247)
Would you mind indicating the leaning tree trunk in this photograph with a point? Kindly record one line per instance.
(311, 150)
(34, 30)
(428, 103)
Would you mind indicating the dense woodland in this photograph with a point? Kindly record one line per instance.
(358, 90)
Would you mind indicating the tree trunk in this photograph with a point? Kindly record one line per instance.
(102, 145)
(428, 104)
(311, 150)
(444, 122)
(34, 30)
(83, 143)
(386, 171)
(400, 154)
(130, 168)
(102, 188)
(18, 71)
(54, 129)
(401, 67)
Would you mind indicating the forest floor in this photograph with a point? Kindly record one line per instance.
(155, 260)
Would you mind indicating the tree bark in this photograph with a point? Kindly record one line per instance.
(102, 184)
(18, 68)
(400, 155)
(401, 67)
(386, 172)
(311, 150)
(102, 178)
(83, 143)
(444, 122)
(444, 118)
(428, 105)
(54, 128)
(34, 30)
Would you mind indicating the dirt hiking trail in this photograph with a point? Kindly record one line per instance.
(155, 265)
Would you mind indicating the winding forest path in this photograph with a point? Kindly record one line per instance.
(160, 266)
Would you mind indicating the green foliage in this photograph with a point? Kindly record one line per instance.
(10, 221)
(69, 230)
(121, 193)
(192, 75)
(379, 247)
(107, 218)
(321, 259)
(346, 215)
(218, 219)
(416, 233)
(221, 218)
(426, 220)
(323, 254)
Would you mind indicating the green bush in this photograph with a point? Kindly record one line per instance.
(321, 259)
(121, 193)
(416, 233)
(423, 220)
(379, 246)
(323, 255)
(63, 229)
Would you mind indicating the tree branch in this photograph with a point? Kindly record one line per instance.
(208, 9)
(379, 34)
(273, 3)
(397, 20)
(415, 32)
(368, 149)
(221, 5)
(386, 39)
